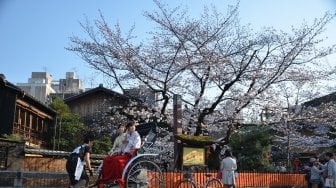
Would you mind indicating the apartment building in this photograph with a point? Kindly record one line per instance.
(39, 86)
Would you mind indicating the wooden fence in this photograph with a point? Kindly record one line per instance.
(60, 179)
(40, 171)
(271, 179)
(245, 179)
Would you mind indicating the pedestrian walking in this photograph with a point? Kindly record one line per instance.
(228, 168)
(316, 174)
(77, 163)
(331, 170)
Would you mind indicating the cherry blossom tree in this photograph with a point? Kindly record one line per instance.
(300, 126)
(219, 66)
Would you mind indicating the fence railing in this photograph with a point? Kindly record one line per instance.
(245, 179)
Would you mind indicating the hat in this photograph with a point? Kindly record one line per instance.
(312, 160)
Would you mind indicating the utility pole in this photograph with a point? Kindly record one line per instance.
(288, 142)
(284, 121)
(177, 107)
(54, 141)
(59, 133)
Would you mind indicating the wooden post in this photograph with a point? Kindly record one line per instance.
(177, 107)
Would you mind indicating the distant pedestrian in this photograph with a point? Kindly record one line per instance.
(316, 174)
(308, 171)
(228, 168)
(78, 161)
(331, 168)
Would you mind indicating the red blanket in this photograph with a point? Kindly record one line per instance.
(113, 167)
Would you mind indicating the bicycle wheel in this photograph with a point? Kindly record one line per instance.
(214, 183)
(144, 173)
(186, 184)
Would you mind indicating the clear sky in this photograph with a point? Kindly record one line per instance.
(34, 33)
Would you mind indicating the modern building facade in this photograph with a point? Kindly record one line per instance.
(70, 84)
(65, 88)
(39, 86)
(42, 86)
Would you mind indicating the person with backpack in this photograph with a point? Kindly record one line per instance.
(78, 161)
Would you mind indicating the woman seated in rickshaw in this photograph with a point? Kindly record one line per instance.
(113, 165)
(120, 141)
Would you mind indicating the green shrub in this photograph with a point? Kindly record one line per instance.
(252, 147)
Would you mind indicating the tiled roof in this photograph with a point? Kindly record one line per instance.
(99, 89)
(25, 96)
(324, 99)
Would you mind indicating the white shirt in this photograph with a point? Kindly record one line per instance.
(229, 164)
(133, 142)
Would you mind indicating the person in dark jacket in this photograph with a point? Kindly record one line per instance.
(77, 163)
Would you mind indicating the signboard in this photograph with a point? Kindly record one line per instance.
(193, 156)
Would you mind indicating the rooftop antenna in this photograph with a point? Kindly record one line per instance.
(44, 68)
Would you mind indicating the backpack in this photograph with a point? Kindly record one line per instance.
(81, 153)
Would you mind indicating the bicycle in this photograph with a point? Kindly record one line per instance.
(189, 182)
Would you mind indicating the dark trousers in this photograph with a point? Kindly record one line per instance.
(71, 168)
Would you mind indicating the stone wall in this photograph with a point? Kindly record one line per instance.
(12, 155)
(14, 158)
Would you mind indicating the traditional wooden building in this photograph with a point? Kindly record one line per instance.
(23, 115)
(97, 102)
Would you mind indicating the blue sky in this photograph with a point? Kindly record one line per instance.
(34, 33)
